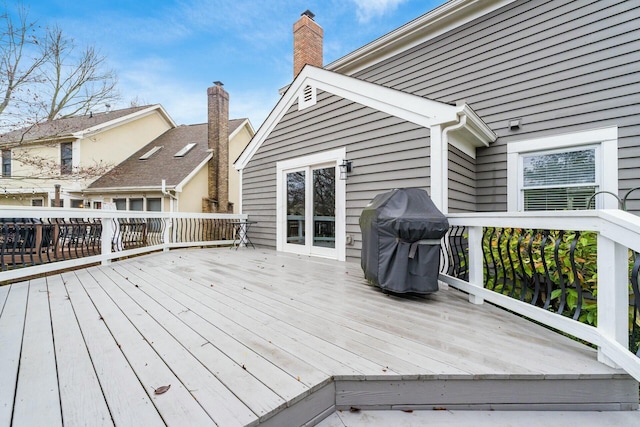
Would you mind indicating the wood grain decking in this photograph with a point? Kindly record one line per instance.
(257, 337)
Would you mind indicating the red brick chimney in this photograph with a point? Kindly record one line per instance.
(307, 42)
(218, 138)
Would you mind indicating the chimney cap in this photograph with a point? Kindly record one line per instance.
(218, 83)
(308, 13)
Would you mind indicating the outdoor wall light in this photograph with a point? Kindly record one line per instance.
(345, 168)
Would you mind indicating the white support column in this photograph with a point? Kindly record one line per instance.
(613, 294)
(108, 232)
(476, 272)
(437, 192)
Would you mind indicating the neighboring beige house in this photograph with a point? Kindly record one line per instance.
(64, 152)
(154, 165)
(180, 157)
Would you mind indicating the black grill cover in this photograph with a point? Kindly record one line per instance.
(401, 232)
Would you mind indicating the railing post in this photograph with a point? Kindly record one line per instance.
(106, 238)
(613, 294)
(476, 273)
(168, 225)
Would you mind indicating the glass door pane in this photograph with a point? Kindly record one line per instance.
(296, 207)
(324, 207)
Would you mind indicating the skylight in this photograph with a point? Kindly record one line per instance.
(151, 152)
(185, 150)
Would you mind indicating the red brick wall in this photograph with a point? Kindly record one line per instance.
(307, 44)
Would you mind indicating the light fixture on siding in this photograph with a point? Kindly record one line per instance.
(345, 168)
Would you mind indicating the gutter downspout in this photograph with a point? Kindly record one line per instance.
(171, 196)
(443, 160)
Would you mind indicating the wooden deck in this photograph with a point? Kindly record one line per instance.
(254, 337)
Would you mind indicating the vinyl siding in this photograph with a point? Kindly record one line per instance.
(386, 152)
(561, 66)
(462, 182)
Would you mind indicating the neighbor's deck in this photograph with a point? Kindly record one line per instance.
(256, 336)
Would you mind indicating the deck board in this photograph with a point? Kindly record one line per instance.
(37, 400)
(81, 397)
(159, 360)
(254, 336)
(231, 376)
(11, 333)
(114, 372)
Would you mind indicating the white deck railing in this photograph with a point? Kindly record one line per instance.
(171, 230)
(617, 232)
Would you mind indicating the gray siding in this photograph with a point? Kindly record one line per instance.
(560, 65)
(462, 182)
(386, 152)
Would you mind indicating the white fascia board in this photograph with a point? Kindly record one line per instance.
(412, 108)
(193, 173)
(441, 20)
(246, 123)
(118, 190)
(125, 119)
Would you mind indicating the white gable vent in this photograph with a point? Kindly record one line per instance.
(307, 97)
(185, 150)
(151, 152)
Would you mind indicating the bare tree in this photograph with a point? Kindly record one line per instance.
(44, 75)
(21, 58)
(75, 84)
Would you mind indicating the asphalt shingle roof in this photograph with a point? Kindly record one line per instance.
(65, 127)
(135, 173)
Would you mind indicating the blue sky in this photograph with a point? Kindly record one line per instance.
(170, 51)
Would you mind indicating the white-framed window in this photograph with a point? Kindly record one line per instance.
(37, 202)
(563, 172)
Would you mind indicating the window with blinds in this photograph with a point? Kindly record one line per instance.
(559, 180)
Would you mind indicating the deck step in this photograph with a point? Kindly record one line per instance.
(481, 418)
(511, 392)
(441, 398)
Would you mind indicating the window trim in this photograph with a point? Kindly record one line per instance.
(325, 158)
(606, 139)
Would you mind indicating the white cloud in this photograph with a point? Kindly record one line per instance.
(368, 9)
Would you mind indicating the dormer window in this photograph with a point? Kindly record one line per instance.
(185, 150)
(307, 97)
(151, 152)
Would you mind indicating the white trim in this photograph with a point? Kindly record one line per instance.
(606, 138)
(246, 123)
(438, 186)
(439, 21)
(412, 108)
(124, 119)
(332, 157)
(193, 173)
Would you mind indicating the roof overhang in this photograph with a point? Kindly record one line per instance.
(412, 108)
(440, 20)
(157, 108)
(245, 124)
(119, 190)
